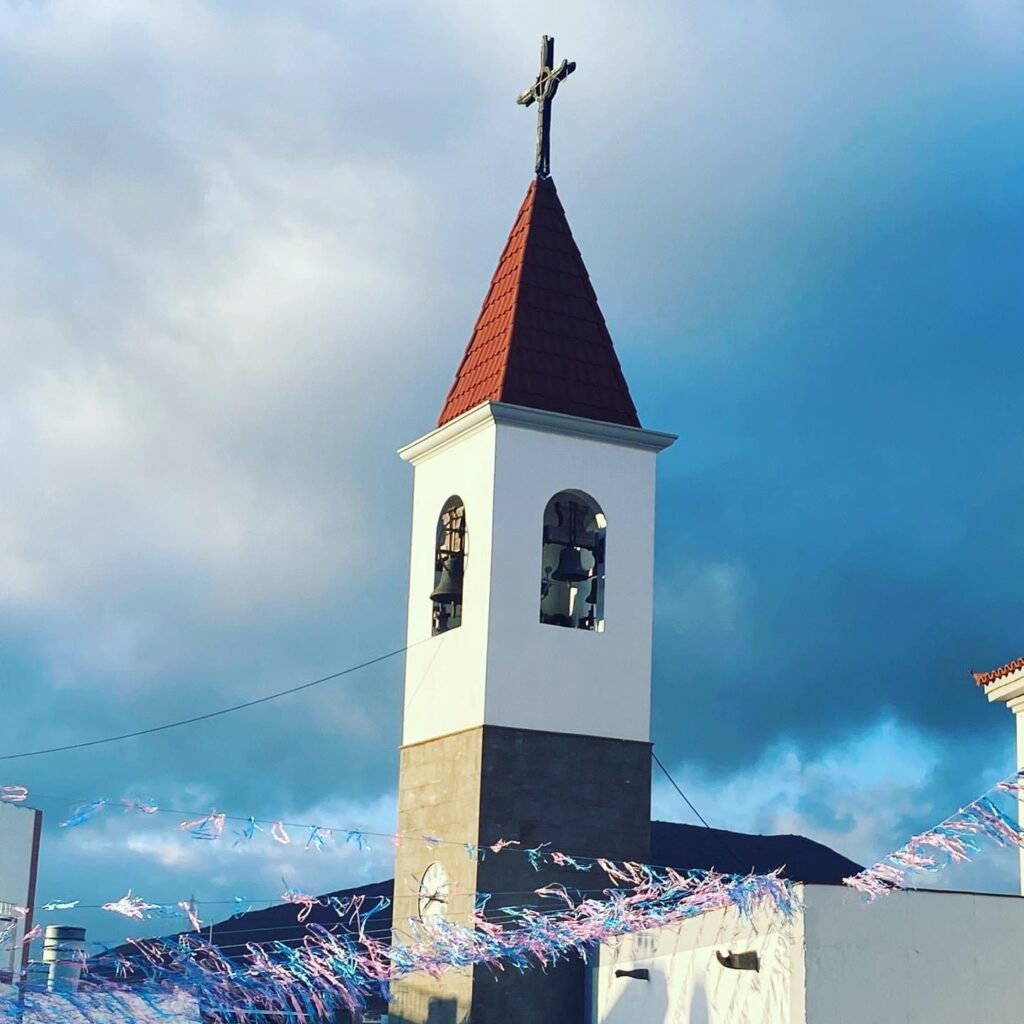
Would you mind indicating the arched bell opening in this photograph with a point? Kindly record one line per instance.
(573, 562)
(450, 553)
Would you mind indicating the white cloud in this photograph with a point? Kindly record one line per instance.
(194, 319)
(163, 864)
(861, 796)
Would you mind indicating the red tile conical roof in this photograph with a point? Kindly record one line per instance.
(540, 339)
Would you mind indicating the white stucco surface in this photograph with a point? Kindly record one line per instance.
(688, 985)
(910, 958)
(444, 675)
(502, 666)
(935, 957)
(96, 1007)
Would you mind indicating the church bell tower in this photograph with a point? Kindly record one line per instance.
(527, 682)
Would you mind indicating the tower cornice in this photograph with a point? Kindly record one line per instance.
(488, 413)
(1009, 690)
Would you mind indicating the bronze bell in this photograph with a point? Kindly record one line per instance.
(570, 566)
(592, 596)
(449, 586)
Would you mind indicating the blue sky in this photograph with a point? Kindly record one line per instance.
(241, 251)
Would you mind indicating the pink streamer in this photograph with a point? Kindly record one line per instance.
(191, 911)
(130, 906)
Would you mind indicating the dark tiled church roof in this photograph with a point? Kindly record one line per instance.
(540, 339)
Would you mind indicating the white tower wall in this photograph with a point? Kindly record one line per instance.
(444, 674)
(506, 462)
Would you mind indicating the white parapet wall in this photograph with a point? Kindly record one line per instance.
(940, 957)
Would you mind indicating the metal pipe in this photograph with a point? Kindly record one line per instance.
(64, 952)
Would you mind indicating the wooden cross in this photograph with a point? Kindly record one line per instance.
(542, 92)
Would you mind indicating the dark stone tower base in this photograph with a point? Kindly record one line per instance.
(585, 795)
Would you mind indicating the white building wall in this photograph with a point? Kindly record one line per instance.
(19, 851)
(940, 957)
(689, 986)
(910, 958)
(502, 666)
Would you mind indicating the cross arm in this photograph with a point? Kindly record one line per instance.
(547, 82)
(565, 69)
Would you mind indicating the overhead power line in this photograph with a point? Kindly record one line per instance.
(675, 786)
(209, 714)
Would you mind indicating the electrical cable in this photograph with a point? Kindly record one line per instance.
(725, 835)
(209, 714)
(675, 785)
(276, 902)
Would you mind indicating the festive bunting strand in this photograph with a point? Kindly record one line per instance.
(211, 826)
(248, 832)
(952, 841)
(330, 972)
(60, 905)
(139, 806)
(318, 837)
(84, 812)
(130, 906)
(191, 911)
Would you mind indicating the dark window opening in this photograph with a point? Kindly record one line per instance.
(573, 562)
(450, 553)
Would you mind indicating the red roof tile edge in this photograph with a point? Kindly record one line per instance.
(453, 407)
(985, 678)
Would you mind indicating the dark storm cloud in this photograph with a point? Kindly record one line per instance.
(855, 467)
